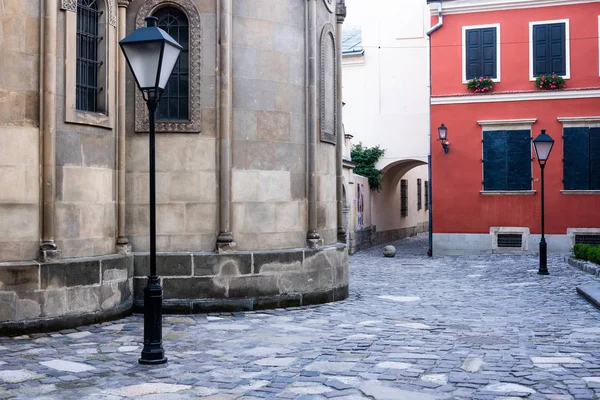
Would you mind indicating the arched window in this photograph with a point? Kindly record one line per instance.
(88, 60)
(174, 103)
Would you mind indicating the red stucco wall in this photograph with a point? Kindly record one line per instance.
(458, 205)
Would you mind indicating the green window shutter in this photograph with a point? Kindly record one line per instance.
(594, 151)
(480, 53)
(576, 158)
(495, 166)
(519, 160)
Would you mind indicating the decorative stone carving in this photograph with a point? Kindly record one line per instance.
(330, 5)
(193, 124)
(389, 251)
(328, 85)
(71, 5)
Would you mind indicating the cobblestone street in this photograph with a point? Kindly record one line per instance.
(413, 328)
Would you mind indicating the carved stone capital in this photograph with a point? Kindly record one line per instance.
(340, 11)
(123, 3)
(71, 5)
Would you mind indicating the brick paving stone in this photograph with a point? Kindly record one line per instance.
(475, 327)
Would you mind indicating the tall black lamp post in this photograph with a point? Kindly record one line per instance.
(151, 54)
(543, 146)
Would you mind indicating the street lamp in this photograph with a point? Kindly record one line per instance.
(151, 55)
(543, 146)
(443, 137)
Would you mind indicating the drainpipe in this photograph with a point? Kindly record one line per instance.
(440, 22)
(313, 237)
(225, 241)
(434, 28)
(339, 189)
(48, 249)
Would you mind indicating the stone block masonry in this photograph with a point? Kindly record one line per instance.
(204, 281)
(70, 292)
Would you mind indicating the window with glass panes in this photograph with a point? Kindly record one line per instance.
(174, 102)
(88, 39)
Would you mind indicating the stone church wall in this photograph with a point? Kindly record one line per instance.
(19, 130)
(186, 166)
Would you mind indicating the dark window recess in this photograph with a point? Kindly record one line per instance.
(507, 160)
(404, 198)
(419, 195)
(481, 53)
(426, 195)
(174, 102)
(549, 49)
(514, 240)
(88, 38)
(581, 158)
(587, 239)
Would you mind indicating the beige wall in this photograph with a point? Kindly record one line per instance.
(19, 130)
(385, 210)
(186, 174)
(269, 143)
(85, 150)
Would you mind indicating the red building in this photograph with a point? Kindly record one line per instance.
(486, 189)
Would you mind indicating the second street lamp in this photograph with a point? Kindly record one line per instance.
(543, 146)
(151, 55)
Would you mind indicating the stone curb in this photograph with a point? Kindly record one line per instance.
(591, 293)
(585, 266)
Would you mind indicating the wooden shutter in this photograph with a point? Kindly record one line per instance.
(518, 144)
(549, 49)
(488, 52)
(495, 160)
(481, 53)
(557, 49)
(594, 151)
(473, 53)
(541, 59)
(576, 158)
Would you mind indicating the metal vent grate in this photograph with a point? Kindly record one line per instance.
(587, 239)
(510, 240)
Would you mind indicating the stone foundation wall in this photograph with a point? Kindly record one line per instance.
(397, 234)
(199, 282)
(52, 296)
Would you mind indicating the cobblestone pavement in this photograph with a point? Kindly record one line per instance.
(413, 328)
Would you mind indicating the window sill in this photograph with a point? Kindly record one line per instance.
(100, 120)
(581, 192)
(507, 192)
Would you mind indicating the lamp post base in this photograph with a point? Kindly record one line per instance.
(153, 352)
(543, 258)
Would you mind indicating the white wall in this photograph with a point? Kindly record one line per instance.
(387, 97)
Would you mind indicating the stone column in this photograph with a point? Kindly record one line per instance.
(225, 241)
(48, 249)
(123, 245)
(313, 238)
(340, 13)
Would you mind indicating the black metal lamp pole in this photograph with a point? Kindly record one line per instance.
(153, 352)
(543, 146)
(543, 246)
(151, 54)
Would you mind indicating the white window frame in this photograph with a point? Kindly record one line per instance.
(464, 50)
(567, 46)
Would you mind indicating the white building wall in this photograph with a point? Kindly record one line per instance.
(387, 92)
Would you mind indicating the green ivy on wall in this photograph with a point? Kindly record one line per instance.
(365, 159)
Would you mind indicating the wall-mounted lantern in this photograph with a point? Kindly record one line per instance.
(443, 137)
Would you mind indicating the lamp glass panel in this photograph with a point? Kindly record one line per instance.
(170, 56)
(442, 132)
(542, 150)
(143, 58)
